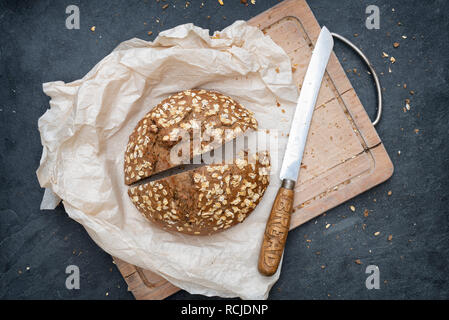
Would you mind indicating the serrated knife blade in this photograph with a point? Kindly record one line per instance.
(305, 106)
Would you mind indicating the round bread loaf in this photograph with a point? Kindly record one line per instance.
(205, 200)
(149, 146)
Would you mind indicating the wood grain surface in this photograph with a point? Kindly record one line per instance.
(344, 156)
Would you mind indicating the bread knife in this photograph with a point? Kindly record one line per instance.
(278, 222)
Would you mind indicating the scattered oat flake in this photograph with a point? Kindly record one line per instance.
(366, 213)
(404, 37)
(253, 1)
(220, 2)
(392, 59)
(390, 237)
(328, 225)
(389, 69)
(376, 233)
(323, 266)
(165, 6)
(396, 44)
(390, 193)
(416, 131)
(93, 28)
(150, 33)
(384, 55)
(357, 261)
(399, 152)
(352, 208)
(107, 293)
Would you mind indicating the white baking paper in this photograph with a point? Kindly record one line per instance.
(86, 129)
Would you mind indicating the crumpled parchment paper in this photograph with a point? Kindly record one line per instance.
(86, 129)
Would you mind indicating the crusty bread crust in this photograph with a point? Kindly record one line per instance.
(149, 146)
(205, 200)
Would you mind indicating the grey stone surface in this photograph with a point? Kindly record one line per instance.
(36, 246)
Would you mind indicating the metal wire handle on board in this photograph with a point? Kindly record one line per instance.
(373, 72)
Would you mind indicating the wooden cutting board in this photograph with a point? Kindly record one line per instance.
(344, 156)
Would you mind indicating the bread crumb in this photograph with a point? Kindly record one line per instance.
(221, 2)
(328, 225)
(150, 33)
(366, 213)
(352, 208)
(390, 237)
(357, 261)
(390, 193)
(376, 233)
(93, 28)
(396, 44)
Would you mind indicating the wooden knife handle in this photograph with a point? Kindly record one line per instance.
(276, 231)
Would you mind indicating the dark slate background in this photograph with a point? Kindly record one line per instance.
(36, 246)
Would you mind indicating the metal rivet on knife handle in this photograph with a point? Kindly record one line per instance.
(276, 230)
